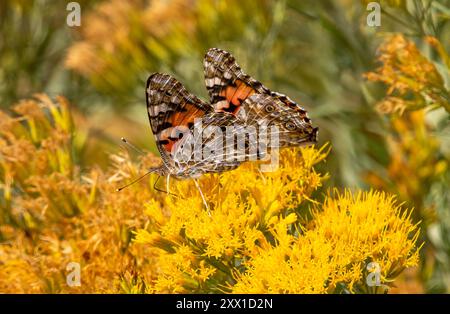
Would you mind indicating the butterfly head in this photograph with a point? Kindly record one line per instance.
(161, 170)
(303, 136)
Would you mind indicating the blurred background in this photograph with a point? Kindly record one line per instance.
(316, 52)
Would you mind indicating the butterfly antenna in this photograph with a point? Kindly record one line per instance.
(123, 139)
(135, 180)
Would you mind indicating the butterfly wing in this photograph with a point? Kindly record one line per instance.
(274, 113)
(231, 90)
(173, 112)
(228, 86)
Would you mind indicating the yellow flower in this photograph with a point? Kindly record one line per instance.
(130, 38)
(258, 233)
(253, 242)
(51, 214)
(414, 161)
(349, 232)
(406, 71)
(245, 205)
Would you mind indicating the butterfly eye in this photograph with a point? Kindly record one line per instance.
(270, 108)
(290, 126)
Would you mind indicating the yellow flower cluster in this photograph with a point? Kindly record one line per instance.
(130, 38)
(262, 231)
(415, 161)
(114, 29)
(36, 157)
(347, 232)
(244, 205)
(52, 214)
(413, 80)
(259, 238)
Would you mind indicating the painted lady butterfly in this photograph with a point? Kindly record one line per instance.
(237, 100)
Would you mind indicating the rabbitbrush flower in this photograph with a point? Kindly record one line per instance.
(413, 81)
(347, 232)
(266, 232)
(258, 237)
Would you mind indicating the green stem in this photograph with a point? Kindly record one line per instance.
(446, 102)
(396, 19)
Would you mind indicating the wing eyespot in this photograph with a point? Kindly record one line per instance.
(269, 108)
(290, 126)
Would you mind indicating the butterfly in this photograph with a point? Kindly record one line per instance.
(237, 101)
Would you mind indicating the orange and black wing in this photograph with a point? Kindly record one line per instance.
(232, 90)
(171, 110)
(228, 86)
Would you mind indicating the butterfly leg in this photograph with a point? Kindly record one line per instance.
(160, 190)
(155, 186)
(203, 197)
(168, 184)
